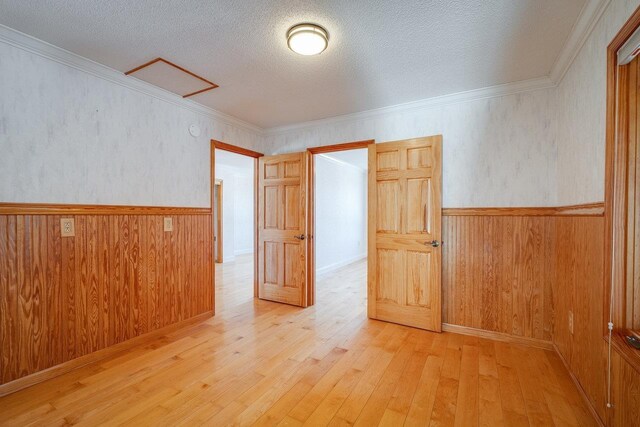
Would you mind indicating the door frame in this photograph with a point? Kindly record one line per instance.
(215, 144)
(311, 250)
(615, 192)
(218, 223)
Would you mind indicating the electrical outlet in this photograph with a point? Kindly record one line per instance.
(168, 224)
(571, 322)
(67, 227)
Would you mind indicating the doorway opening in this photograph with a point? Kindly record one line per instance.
(339, 224)
(234, 224)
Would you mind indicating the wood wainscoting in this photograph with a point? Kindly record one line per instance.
(580, 291)
(579, 294)
(497, 273)
(120, 277)
(513, 272)
(500, 271)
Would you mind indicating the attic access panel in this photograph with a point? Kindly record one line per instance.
(171, 77)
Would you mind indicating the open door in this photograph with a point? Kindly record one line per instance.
(282, 228)
(405, 252)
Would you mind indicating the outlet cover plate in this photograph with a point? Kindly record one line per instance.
(168, 224)
(67, 227)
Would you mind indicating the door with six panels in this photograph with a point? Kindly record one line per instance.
(405, 252)
(282, 228)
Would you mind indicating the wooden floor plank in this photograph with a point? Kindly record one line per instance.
(262, 363)
(489, 402)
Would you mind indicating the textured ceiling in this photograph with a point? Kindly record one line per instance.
(380, 53)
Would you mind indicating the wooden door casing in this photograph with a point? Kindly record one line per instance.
(217, 221)
(282, 215)
(404, 270)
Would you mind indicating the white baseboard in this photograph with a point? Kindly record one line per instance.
(336, 265)
(243, 251)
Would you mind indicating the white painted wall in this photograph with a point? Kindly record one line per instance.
(68, 136)
(243, 213)
(341, 214)
(582, 112)
(237, 207)
(496, 152)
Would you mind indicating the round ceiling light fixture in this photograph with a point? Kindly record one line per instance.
(307, 39)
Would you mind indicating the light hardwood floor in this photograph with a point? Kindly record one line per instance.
(234, 284)
(264, 363)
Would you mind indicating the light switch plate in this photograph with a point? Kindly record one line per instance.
(168, 224)
(67, 227)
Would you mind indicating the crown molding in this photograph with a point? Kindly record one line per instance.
(589, 16)
(425, 104)
(62, 56)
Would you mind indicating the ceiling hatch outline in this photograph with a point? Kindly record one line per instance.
(172, 77)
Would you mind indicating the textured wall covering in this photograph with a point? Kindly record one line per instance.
(581, 112)
(69, 137)
(497, 152)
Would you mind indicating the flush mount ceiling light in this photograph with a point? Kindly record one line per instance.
(307, 39)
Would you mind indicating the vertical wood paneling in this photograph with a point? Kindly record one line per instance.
(188, 285)
(68, 293)
(104, 285)
(208, 254)
(180, 267)
(7, 300)
(38, 269)
(579, 290)
(626, 392)
(13, 330)
(154, 269)
(54, 290)
(25, 303)
(82, 279)
(115, 274)
(172, 273)
(93, 268)
(136, 278)
(503, 237)
(550, 265)
(166, 289)
(119, 277)
(490, 279)
(197, 255)
(143, 284)
(124, 300)
(497, 271)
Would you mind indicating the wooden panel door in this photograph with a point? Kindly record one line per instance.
(405, 253)
(282, 228)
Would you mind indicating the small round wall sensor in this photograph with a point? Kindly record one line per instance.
(194, 130)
